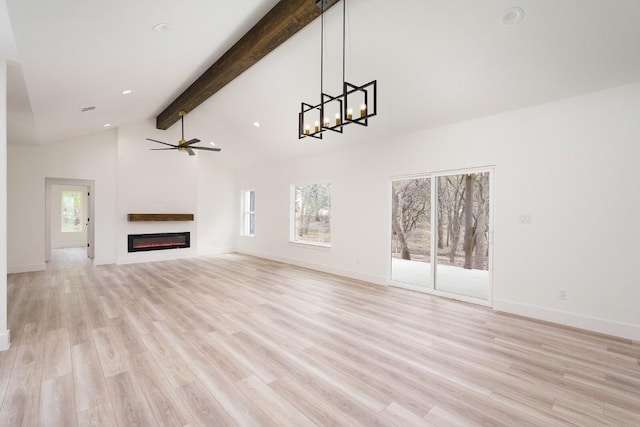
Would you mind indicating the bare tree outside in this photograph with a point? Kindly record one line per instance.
(464, 203)
(312, 220)
(411, 219)
(459, 261)
(462, 220)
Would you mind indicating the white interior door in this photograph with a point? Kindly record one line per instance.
(48, 212)
(90, 224)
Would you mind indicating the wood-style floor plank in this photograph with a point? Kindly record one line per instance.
(57, 362)
(88, 377)
(7, 361)
(403, 417)
(111, 355)
(203, 406)
(162, 398)
(277, 408)
(236, 340)
(98, 416)
(57, 403)
(21, 403)
(173, 367)
(129, 405)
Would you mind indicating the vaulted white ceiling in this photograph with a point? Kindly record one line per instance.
(436, 62)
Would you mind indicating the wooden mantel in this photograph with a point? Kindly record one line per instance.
(159, 217)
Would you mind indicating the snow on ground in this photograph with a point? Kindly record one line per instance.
(456, 280)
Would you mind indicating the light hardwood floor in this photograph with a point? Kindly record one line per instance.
(236, 340)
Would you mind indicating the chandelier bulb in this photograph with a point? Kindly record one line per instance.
(363, 110)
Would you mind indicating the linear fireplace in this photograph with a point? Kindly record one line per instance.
(158, 241)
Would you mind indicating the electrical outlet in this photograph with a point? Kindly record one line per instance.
(525, 219)
(562, 293)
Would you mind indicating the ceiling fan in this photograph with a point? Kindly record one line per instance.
(182, 144)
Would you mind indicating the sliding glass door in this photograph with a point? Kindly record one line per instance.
(441, 233)
(463, 234)
(411, 231)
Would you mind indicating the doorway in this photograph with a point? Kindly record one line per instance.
(69, 208)
(441, 232)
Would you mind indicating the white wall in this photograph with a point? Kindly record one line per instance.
(217, 223)
(92, 158)
(571, 165)
(61, 239)
(153, 182)
(4, 331)
(129, 178)
(172, 182)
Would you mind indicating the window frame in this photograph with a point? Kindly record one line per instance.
(292, 217)
(247, 215)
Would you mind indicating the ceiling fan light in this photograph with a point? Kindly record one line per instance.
(184, 145)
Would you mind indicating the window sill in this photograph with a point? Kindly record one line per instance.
(247, 235)
(305, 243)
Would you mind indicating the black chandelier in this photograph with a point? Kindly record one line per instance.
(356, 104)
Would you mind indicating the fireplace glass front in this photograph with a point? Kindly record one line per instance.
(158, 241)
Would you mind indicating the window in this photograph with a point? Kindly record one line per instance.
(71, 220)
(248, 213)
(312, 213)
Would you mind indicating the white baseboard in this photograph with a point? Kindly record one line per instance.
(4, 340)
(377, 280)
(153, 256)
(104, 261)
(211, 252)
(604, 326)
(26, 268)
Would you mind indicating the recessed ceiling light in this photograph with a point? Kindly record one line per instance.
(106, 125)
(212, 143)
(256, 124)
(163, 27)
(512, 16)
(126, 92)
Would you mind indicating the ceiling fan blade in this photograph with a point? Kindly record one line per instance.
(207, 148)
(160, 142)
(182, 144)
(191, 141)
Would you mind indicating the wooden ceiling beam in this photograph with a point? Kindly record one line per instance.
(277, 26)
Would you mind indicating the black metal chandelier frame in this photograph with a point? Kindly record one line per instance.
(346, 114)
